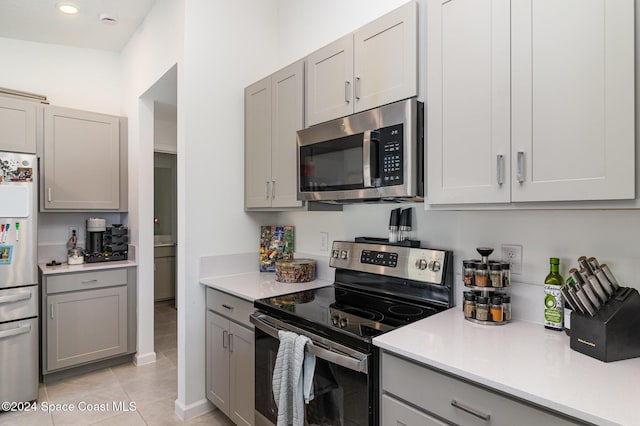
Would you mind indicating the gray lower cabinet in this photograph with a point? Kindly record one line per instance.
(445, 399)
(87, 317)
(230, 357)
(164, 273)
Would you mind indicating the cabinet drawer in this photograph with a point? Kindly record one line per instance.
(437, 393)
(395, 413)
(230, 306)
(86, 280)
(164, 251)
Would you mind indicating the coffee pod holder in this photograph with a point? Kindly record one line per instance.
(488, 290)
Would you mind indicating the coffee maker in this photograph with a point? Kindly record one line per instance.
(96, 227)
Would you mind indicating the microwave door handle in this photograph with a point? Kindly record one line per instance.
(366, 159)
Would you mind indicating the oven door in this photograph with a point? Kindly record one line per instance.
(344, 393)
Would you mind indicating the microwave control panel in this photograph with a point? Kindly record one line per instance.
(391, 155)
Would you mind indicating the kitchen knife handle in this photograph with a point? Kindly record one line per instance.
(347, 91)
(472, 411)
(520, 166)
(225, 334)
(499, 169)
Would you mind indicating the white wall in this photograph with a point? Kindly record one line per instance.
(72, 77)
(228, 45)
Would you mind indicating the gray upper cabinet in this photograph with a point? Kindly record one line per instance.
(373, 66)
(84, 161)
(19, 125)
(274, 111)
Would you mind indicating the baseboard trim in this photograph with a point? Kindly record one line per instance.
(148, 358)
(188, 412)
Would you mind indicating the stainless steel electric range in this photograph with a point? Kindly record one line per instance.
(377, 289)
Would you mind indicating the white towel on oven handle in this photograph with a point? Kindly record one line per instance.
(292, 378)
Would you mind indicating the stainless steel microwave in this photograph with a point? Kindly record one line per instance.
(372, 155)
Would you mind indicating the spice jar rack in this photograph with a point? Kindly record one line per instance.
(486, 302)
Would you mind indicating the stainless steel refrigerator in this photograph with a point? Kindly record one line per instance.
(19, 303)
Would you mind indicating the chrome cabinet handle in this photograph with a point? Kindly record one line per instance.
(266, 189)
(347, 91)
(88, 281)
(273, 189)
(227, 307)
(51, 310)
(225, 335)
(230, 342)
(499, 169)
(357, 90)
(519, 172)
(470, 410)
(49, 194)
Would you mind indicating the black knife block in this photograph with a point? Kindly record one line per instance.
(613, 333)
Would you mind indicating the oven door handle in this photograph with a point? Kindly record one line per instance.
(356, 364)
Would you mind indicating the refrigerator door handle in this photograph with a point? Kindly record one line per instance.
(15, 297)
(26, 328)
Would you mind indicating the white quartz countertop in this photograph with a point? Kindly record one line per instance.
(258, 285)
(85, 267)
(525, 360)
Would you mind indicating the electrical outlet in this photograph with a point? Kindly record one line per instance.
(512, 253)
(324, 241)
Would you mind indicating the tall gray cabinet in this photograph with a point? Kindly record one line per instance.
(18, 121)
(84, 161)
(274, 111)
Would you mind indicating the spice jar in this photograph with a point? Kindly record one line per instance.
(468, 272)
(506, 308)
(469, 305)
(481, 275)
(496, 309)
(495, 274)
(506, 274)
(482, 308)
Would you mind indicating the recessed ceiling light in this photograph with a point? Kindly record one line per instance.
(68, 8)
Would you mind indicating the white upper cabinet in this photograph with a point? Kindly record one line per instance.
(373, 66)
(573, 99)
(18, 125)
(530, 100)
(468, 119)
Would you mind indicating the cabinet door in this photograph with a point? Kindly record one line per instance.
(164, 278)
(81, 160)
(18, 125)
(287, 109)
(257, 144)
(386, 59)
(85, 326)
(468, 98)
(217, 363)
(330, 81)
(241, 381)
(396, 413)
(573, 100)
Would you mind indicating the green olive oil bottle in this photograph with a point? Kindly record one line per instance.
(553, 303)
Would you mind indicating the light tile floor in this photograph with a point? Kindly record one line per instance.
(152, 387)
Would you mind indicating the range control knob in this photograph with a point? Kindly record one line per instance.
(344, 254)
(421, 264)
(343, 322)
(336, 253)
(335, 319)
(435, 267)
